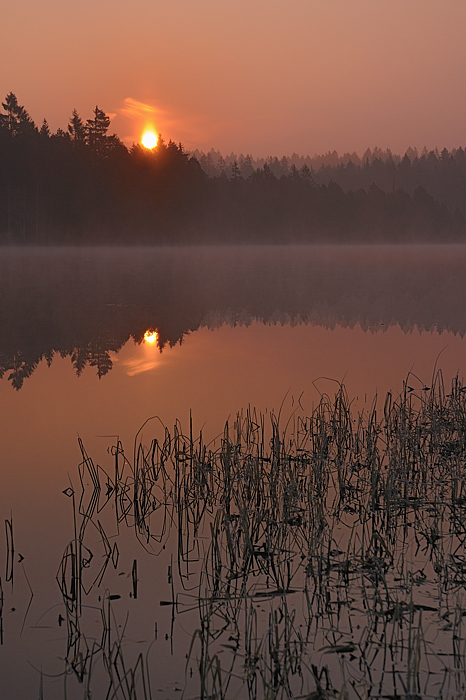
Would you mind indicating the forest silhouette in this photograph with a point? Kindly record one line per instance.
(83, 186)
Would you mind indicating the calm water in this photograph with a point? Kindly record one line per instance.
(236, 328)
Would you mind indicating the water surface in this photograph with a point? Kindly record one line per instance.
(237, 327)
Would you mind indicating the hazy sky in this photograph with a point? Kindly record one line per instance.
(268, 77)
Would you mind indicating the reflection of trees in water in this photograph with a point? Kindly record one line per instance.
(18, 367)
(87, 303)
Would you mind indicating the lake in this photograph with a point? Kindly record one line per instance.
(131, 577)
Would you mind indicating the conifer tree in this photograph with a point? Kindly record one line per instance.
(76, 128)
(16, 120)
(96, 131)
(45, 129)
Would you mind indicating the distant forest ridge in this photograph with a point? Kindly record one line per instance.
(442, 173)
(82, 186)
(214, 162)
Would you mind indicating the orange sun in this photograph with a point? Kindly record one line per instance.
(150, 336)
(149, 139)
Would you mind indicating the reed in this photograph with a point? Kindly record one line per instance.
(323, 554)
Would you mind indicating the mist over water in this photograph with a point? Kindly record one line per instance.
(85, 303)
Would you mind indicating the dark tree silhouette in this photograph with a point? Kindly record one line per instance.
(84, 186)
(96, 131)
(16, 119)
(76, 128)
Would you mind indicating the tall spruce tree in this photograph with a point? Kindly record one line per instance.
(76, 128)
(96, 131)
(16, 119)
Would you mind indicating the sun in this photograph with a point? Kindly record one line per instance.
(150, 336)
(149, 139)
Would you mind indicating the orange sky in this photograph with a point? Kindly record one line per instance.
(268, 77)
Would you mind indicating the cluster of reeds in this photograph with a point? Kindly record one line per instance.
(324, 555)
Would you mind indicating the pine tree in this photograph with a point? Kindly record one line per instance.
(45, 129)
(76, 128)
(235, 171)
(16, 120)
(96, 131)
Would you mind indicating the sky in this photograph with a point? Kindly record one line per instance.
(265, 77)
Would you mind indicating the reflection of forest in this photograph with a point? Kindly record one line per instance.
(85, 303)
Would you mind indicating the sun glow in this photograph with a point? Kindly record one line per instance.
(149, 139)
(150, 337)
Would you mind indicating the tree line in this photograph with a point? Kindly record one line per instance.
(82, 185)
(441, 173)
